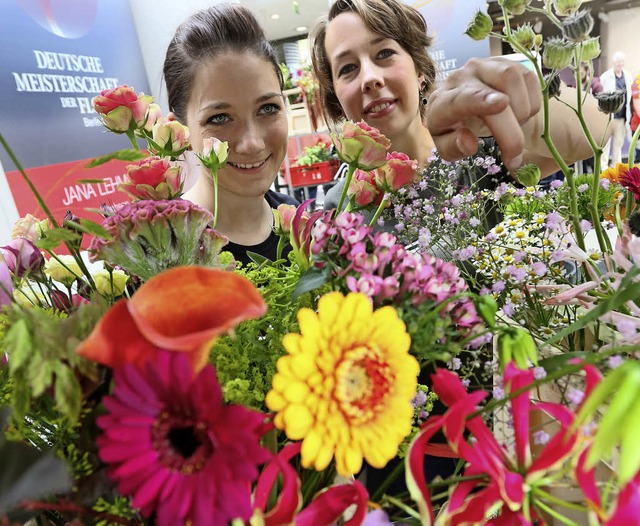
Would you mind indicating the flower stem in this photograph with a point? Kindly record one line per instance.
(381, 207)
(556, 515)
(347, 182)
(214, 174)
(133, 140)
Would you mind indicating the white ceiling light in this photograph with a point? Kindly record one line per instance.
(300, 29)
(275, 16)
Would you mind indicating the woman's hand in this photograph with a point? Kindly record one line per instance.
(493, 96)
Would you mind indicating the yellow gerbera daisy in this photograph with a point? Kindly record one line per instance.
(346, 385)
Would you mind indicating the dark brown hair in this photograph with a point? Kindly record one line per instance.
(388, 18)
(203, 36)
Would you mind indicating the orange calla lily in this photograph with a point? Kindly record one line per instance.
(182, 309)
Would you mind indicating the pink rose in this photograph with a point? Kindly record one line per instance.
(214, 153)
(30, 227)
(154, 115)
(284, 215)
(153, 178)
(362, 145)
(399, 171)
(170, 137)
(363, 190)
(121, 109)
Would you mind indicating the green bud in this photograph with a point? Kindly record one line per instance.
(480, 27)
(487, 308)
(515, 7)
(566, 7)
(538, 41)
(525, 36)
(577, 27)
(557, 53)
(529, 174)
(590, 49)
(516, 344)
(553, 83)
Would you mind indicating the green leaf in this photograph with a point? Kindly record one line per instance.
(68, 393)
(555, 363)
(18, 344)
(487, 307)
(26, 473)
(314, 277)
(90, 181)
(122, 155)
(55, 236)
(41, 376)
(258, 259)
(89, 227)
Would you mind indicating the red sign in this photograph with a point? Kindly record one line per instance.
(62, 189)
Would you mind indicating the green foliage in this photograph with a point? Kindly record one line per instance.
(120, 507)
(317, 153)
(41, 347)
(605, 198)
(246, 361)
(122, 155)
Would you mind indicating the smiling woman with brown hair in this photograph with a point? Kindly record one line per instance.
(223, 81)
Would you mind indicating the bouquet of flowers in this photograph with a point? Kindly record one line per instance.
(151, 380)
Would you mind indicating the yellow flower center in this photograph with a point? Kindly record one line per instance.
(363, 383)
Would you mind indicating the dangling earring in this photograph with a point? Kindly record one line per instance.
(422, 95)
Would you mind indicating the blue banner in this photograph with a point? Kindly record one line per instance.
(56, 56)
(446, 23)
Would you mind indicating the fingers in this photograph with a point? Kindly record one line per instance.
(485, 97)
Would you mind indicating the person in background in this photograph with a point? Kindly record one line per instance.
(617, 79)
(223, 81)
(585, 75)
(372, 60)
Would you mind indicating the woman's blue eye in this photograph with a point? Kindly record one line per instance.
(386, 53)
(344, 70)
(269, 109)
(221, 118)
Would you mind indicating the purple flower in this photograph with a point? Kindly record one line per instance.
(539, 268)
(575, 396)
(553, 220)
(498, 287)
(23, 257)
(583, 188)
(604, 183)
(556, 184)
(540, 438)
(585, 226)
(419, 399)
(614, 361)
(6, 286)
(627, 328)
(539, 373)
(517, 273)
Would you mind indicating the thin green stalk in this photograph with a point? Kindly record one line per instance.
(379, 210)
(387, 482)
(556, 515)
(401, 505)
(347, 182)
(558, 501)
(546, 135)
(214, 174)
(133, 140)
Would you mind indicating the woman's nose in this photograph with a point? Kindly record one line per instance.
(250, 140)
(371, 76)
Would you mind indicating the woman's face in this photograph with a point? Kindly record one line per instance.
(374, 78)
(236, 97)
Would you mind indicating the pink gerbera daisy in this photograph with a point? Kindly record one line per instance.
(175, 448)
(630, 179)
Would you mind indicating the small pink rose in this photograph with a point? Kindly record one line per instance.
(284, 215)
(121, 109)
(30, 227)
(399, 171)
(363, 190)
(362, 145)
(153, 178)
(154, 115)
(171, 137)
